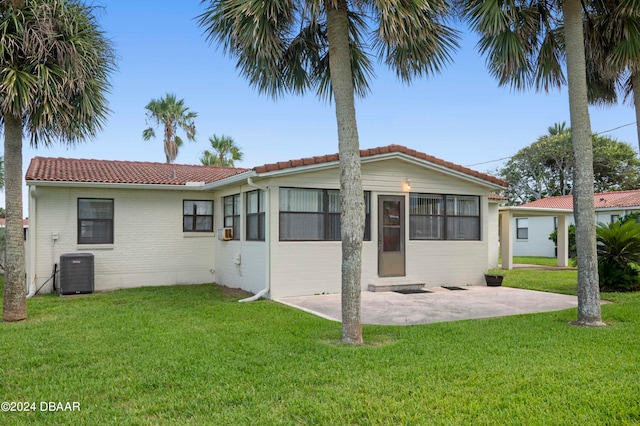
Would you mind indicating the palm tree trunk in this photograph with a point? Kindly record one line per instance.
(351, 195)
(635, 83)
(583, 208)
(14, 306)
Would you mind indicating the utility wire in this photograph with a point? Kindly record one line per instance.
(506, 158)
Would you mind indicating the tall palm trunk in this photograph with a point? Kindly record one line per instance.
(14, 307)
(635, 83)
(588, 286)
(351, 195)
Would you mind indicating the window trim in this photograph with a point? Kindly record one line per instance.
(195, 216)
(260, 214)
(326, 214)
(110, 240)
(519, 228)
(235, 214)
(446, 217)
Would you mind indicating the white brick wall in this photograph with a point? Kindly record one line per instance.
(150, 247)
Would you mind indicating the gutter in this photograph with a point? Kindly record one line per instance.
(31, 243)
(267, 240)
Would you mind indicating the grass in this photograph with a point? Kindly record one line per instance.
(536, 260)
(192, 355)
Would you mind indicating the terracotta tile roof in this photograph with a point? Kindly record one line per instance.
(3, 222)
(601, 200)
(133, 172)
(493, 196)
(377, 151)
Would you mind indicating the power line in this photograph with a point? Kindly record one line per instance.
(507, 158)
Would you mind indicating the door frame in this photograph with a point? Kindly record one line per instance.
(392, 263)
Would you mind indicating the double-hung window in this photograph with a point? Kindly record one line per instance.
(197, 216)
(232, 214)
(444, 217)
(314, 215)
(95, 221)
(255, 215)
(522, 228)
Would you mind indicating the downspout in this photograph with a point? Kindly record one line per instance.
(267, 238)
(31, 244)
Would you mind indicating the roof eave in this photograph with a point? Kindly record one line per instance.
(231, 180)
(114, 185)
(518, 211)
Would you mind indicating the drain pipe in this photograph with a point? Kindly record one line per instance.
(31, 244)
(267, 238)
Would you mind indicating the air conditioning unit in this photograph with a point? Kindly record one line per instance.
(227, 234)
(76, 273)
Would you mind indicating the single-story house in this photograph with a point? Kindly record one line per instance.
(531, 235)
(273, 229)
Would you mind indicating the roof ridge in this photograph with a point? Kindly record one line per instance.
(368, 152)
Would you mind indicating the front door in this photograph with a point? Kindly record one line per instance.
(391, 247)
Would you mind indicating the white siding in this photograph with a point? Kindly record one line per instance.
(302, 268)
(493, 235)
(239, 263)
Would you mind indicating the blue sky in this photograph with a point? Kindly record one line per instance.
(460, 116)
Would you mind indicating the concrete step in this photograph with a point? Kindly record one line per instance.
(395, 284)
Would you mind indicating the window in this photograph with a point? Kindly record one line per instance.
(255, 215)
(314, 214)
(522, 229)
(615, 218)
(197, 216)
(232, 214)
(444, 217)
(95, 221)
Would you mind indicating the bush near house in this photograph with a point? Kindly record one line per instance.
(619, 256)
(572, 242)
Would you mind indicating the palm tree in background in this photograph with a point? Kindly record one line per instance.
(55, 63)
(225, 152)
(325, 46)
(612, 32)
(171, 114)
(527, 42)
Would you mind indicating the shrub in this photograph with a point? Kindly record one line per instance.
(572, 241)
(618, 256)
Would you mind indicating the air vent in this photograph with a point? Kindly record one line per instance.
(76, 273)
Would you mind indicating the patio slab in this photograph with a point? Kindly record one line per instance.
(439, 305)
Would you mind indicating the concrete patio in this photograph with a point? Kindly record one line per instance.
(439, 305)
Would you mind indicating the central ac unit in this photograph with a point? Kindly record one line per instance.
(76, 273)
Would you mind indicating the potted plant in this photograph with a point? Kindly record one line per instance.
(493, 280)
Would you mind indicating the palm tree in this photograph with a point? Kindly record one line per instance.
(54, 67)
(526, 42)
(171, 114)
(225, 154)
(300, 45)
(612, 31)
(1, 173)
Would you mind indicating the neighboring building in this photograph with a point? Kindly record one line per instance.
(531, 234)
(274, 227)
(25, 225)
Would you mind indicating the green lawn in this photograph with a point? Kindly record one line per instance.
(192, 355)
(536, 260)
